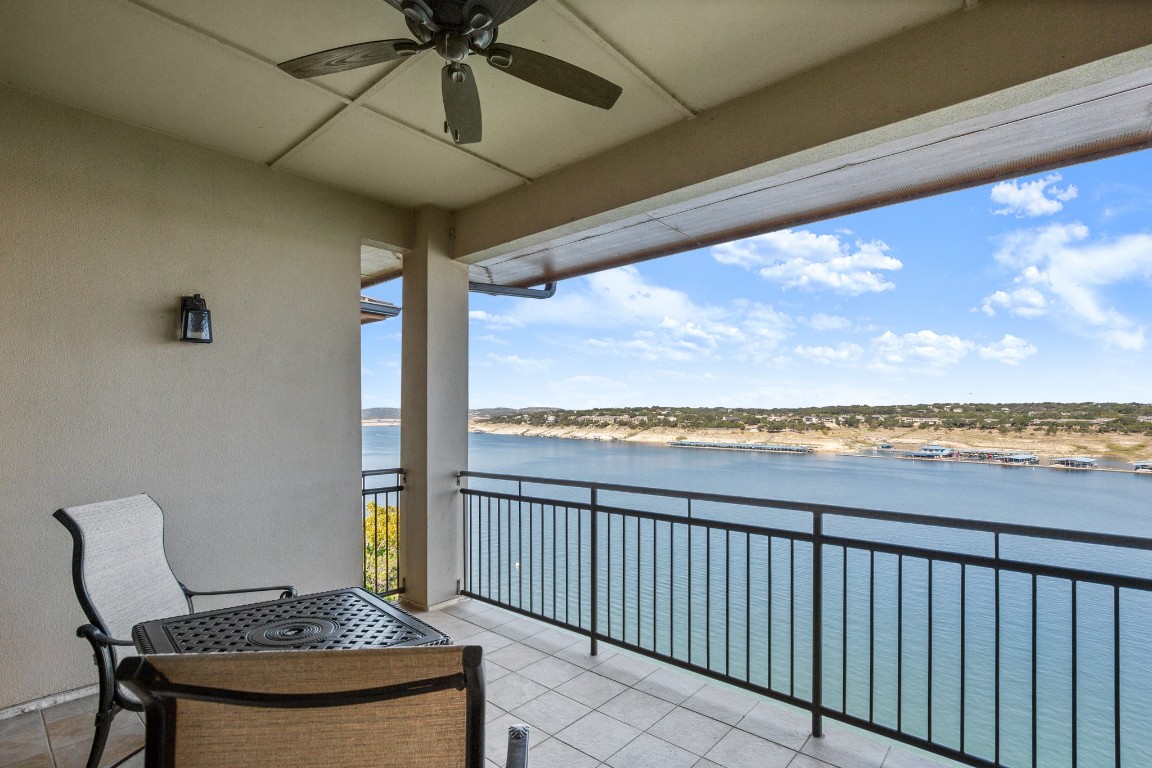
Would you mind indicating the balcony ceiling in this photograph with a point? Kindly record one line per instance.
(536, 199)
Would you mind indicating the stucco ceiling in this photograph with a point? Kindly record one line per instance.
(204, 70)
(722, 99)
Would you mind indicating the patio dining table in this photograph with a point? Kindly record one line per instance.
(339, 619)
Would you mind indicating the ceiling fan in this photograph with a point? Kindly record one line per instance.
(457, 29)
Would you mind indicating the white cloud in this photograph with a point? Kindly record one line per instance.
(632, 317)
(1010, 350)
(519, 364)
(803, 259)
(1060, 273)
(1022, 302)
(841, 353)
(822, 322)
(1032, 198)
(924, 351)
(494, 321)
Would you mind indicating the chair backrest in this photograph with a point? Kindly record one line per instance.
(119, 568)
(355, 708)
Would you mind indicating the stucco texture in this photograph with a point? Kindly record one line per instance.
(251, 444)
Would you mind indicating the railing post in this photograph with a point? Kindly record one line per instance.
(818, 623)
(594, 572)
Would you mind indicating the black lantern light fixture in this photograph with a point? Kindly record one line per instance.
(195, 320)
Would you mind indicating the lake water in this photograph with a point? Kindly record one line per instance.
(860, 679)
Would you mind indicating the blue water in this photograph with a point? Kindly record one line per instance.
(1106, 502)
(860, 680)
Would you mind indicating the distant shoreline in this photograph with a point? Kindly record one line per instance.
(1117, 447)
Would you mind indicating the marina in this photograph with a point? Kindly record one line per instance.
(762, 447)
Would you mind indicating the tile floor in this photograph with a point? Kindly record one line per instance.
(613, 710)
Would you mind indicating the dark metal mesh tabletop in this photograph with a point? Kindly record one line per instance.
(343, 619)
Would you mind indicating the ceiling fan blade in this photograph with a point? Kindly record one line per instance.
(461, 103)
(554, 75)
(502, 10)
(350, 57)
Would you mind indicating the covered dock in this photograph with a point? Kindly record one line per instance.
(1075, 462)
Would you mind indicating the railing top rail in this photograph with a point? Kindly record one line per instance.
(372, 472)
(1006, 529)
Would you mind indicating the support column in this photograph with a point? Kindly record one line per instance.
(433, 412)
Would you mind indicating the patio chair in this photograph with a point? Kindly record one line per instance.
(367, 708)
(122, 577)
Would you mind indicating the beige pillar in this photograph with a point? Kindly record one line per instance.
(434, 412)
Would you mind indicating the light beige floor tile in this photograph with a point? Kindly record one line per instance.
(22, 738)
(591, 689)
(489, 641)
(551, 712)
(74, 707)
(515, 656)
(551, 640)
(846, 749)
(551, 671)
(493, 672)
(553, 753)
(899, 758)
(777, 723)
(578, 654)
(740, 749)
(670, 685)
(42, 760)
(638, 709)
(512, 691)
(626, 668)
(647, 751)
(723, 704)
(598, 735)
(519, 628)
(690, 730)
(804, 761)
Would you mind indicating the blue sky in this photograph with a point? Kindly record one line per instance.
(1029, 290)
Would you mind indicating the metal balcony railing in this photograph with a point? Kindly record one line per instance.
(380, 490)
(990, 644)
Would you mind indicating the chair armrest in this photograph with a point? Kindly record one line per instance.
(285, 591)
(95, 636)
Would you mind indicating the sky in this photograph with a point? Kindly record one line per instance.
(1035, 289)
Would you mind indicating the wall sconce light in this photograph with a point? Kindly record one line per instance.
(195, 320)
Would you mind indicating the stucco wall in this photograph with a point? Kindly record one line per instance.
(250, 444)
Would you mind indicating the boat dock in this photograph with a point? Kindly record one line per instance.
(1075, 462)
(763, 447)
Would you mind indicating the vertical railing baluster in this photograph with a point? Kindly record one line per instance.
(708, 597)
(931, 647)
(1035, 698)
(1075, 678)
(594, 571)
(748, 606)
(771, 604)
(817, 623)
(690, 590)
(871, 633)
(1116, 669)
(727, 600)
(900, 643)
(963, 650)
(844, 632)
(792, 617)
(996, 653)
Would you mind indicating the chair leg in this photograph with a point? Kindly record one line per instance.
(103, 726)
